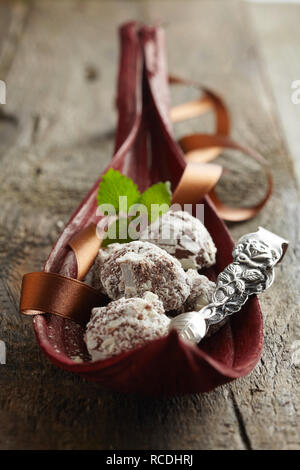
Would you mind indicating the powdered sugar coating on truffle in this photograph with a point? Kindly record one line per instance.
(183, 236)
(103, 255)
(202, 290)
(133, 268)
(125, 324)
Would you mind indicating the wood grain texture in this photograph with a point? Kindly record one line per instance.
(278, 36)
(61, 74)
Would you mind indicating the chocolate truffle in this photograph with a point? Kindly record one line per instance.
(125, 324)
(202, 290)
(184, 237)
(131, 269)
(103, 255)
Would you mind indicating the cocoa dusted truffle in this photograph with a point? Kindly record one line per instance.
(103, 255)
(131, 269)
(202, 290)
(184, 237)
(125, 324)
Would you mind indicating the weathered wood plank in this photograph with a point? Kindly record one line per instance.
(63, 139)
(12, 20)
(278, 37)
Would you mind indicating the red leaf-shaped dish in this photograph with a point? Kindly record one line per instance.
(167, 365)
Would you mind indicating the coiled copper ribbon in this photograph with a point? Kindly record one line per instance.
(45, 292)
(200, 177)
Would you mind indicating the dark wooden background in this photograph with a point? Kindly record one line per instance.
(59, 61)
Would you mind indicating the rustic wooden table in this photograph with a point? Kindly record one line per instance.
(59, 61)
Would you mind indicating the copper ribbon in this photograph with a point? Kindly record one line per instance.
(52, 293)
(72, 299)
(45, 292)
(85, 246)
(199, 177)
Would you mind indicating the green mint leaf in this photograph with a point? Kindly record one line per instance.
(114, 230)
(113, 185)
(159, 194)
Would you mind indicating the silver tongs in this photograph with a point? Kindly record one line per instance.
(252, 271)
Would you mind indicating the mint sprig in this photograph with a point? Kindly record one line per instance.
(114, 185)
(159, 193)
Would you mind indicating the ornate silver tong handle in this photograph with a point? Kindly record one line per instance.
(251, 272)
